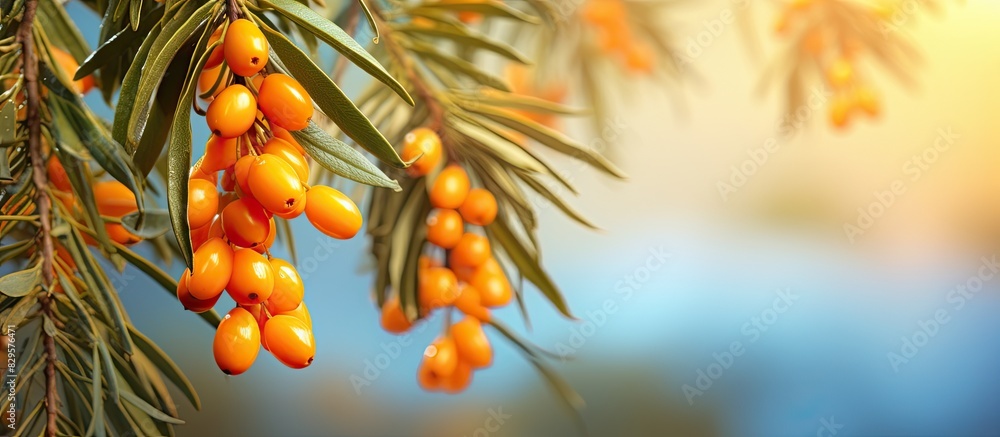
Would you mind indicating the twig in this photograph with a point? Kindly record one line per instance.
(43, 202)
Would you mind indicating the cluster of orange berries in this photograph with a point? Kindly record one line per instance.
(471, 280)
(837, 54)
(264, 174)
(68, 65)
(610, 18)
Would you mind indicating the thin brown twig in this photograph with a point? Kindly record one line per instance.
(43, 202)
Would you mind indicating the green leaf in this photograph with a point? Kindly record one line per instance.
(114, 47)
(338, 157)
(156, 223)
(114, 393)
(131, 398)
(485, 7)
(528, 265)
(153, 71)
(455, 64)
(20, 283)
(162, 361)
(467, 37)
(371, 22)
(551, 138)
(96, 426)
(333, 35)
(130, 86)
(541, 189)
(135, 11)
(331, 99)
(62, 29)
(8, 124)
(490, 97)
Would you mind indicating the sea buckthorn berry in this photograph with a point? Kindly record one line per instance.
(840, 111)
(57, 174)
(425, 262)
(841, 72)
(200, 235)
(450, 188)
(470, 339)
(274, 184)
(252, 281)
(213, 266)
(300, 312)
(241, 174)
(198, 173)
(492, 285)
(442, 356)
(459, 380)
(215, 59)
(225, 199)
(209, 78)
(290, 340)
(269, 241)
(203, 202)
(284, 102)
(471, 251)
(393, 319)
(300, 207)
(444, 228)
(282, 149)
(288, 287)
(189, 301)
(228, 179)
(245, 48)
(867, 100)
(479, 208)
(237, 342)
(220, 154)
(245, 222)
(426, 377)
(424, 143)
(232, 112)
(470, 303)
(280, 132)
(332, 212)
(114, 199)
(69, 65)
(437, 288)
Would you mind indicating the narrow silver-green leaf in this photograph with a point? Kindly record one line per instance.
(527, 265)
(338, 157)
(162, 361)
(20, 283)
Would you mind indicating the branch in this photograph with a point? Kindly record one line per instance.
(43, 202)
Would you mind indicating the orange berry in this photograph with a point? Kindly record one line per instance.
(280, 132)
(237, 342)
(868, 101)
(492, 285)
(284, 102)
(274, 184)
(228, 180)
(269, 241)
(444, 228)
(450, 188)
(252, 281)
(841, 72)
(471, 251)
(215, 59)
(203, 202)
(426, 377)
(300, 312)
(282, 149)
(437, 288)
(220, 154)
(393, 319)
(200, 235)
(209, 78)
(69, 66)
(245, 48)
(198, 173)
(470, 303)
(213, 266)
(840, 112)
(288, 287)
(245, 222)
(290, 340)
(459, 380)
(425, 262)
(232, 112)
(479, 208)
(300, 207)
(225, 199)
(189, 301)
(241, 174)
(332, 212)
(114, 199)
(470, 339)
(442, 356)
(424, 143)
(57, 175)
(639, 58)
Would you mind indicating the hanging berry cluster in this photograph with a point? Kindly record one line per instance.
(614, 37)
(264, 176)
(466, 278)
(836, 50)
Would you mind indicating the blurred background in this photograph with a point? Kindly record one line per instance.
(750, 313)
